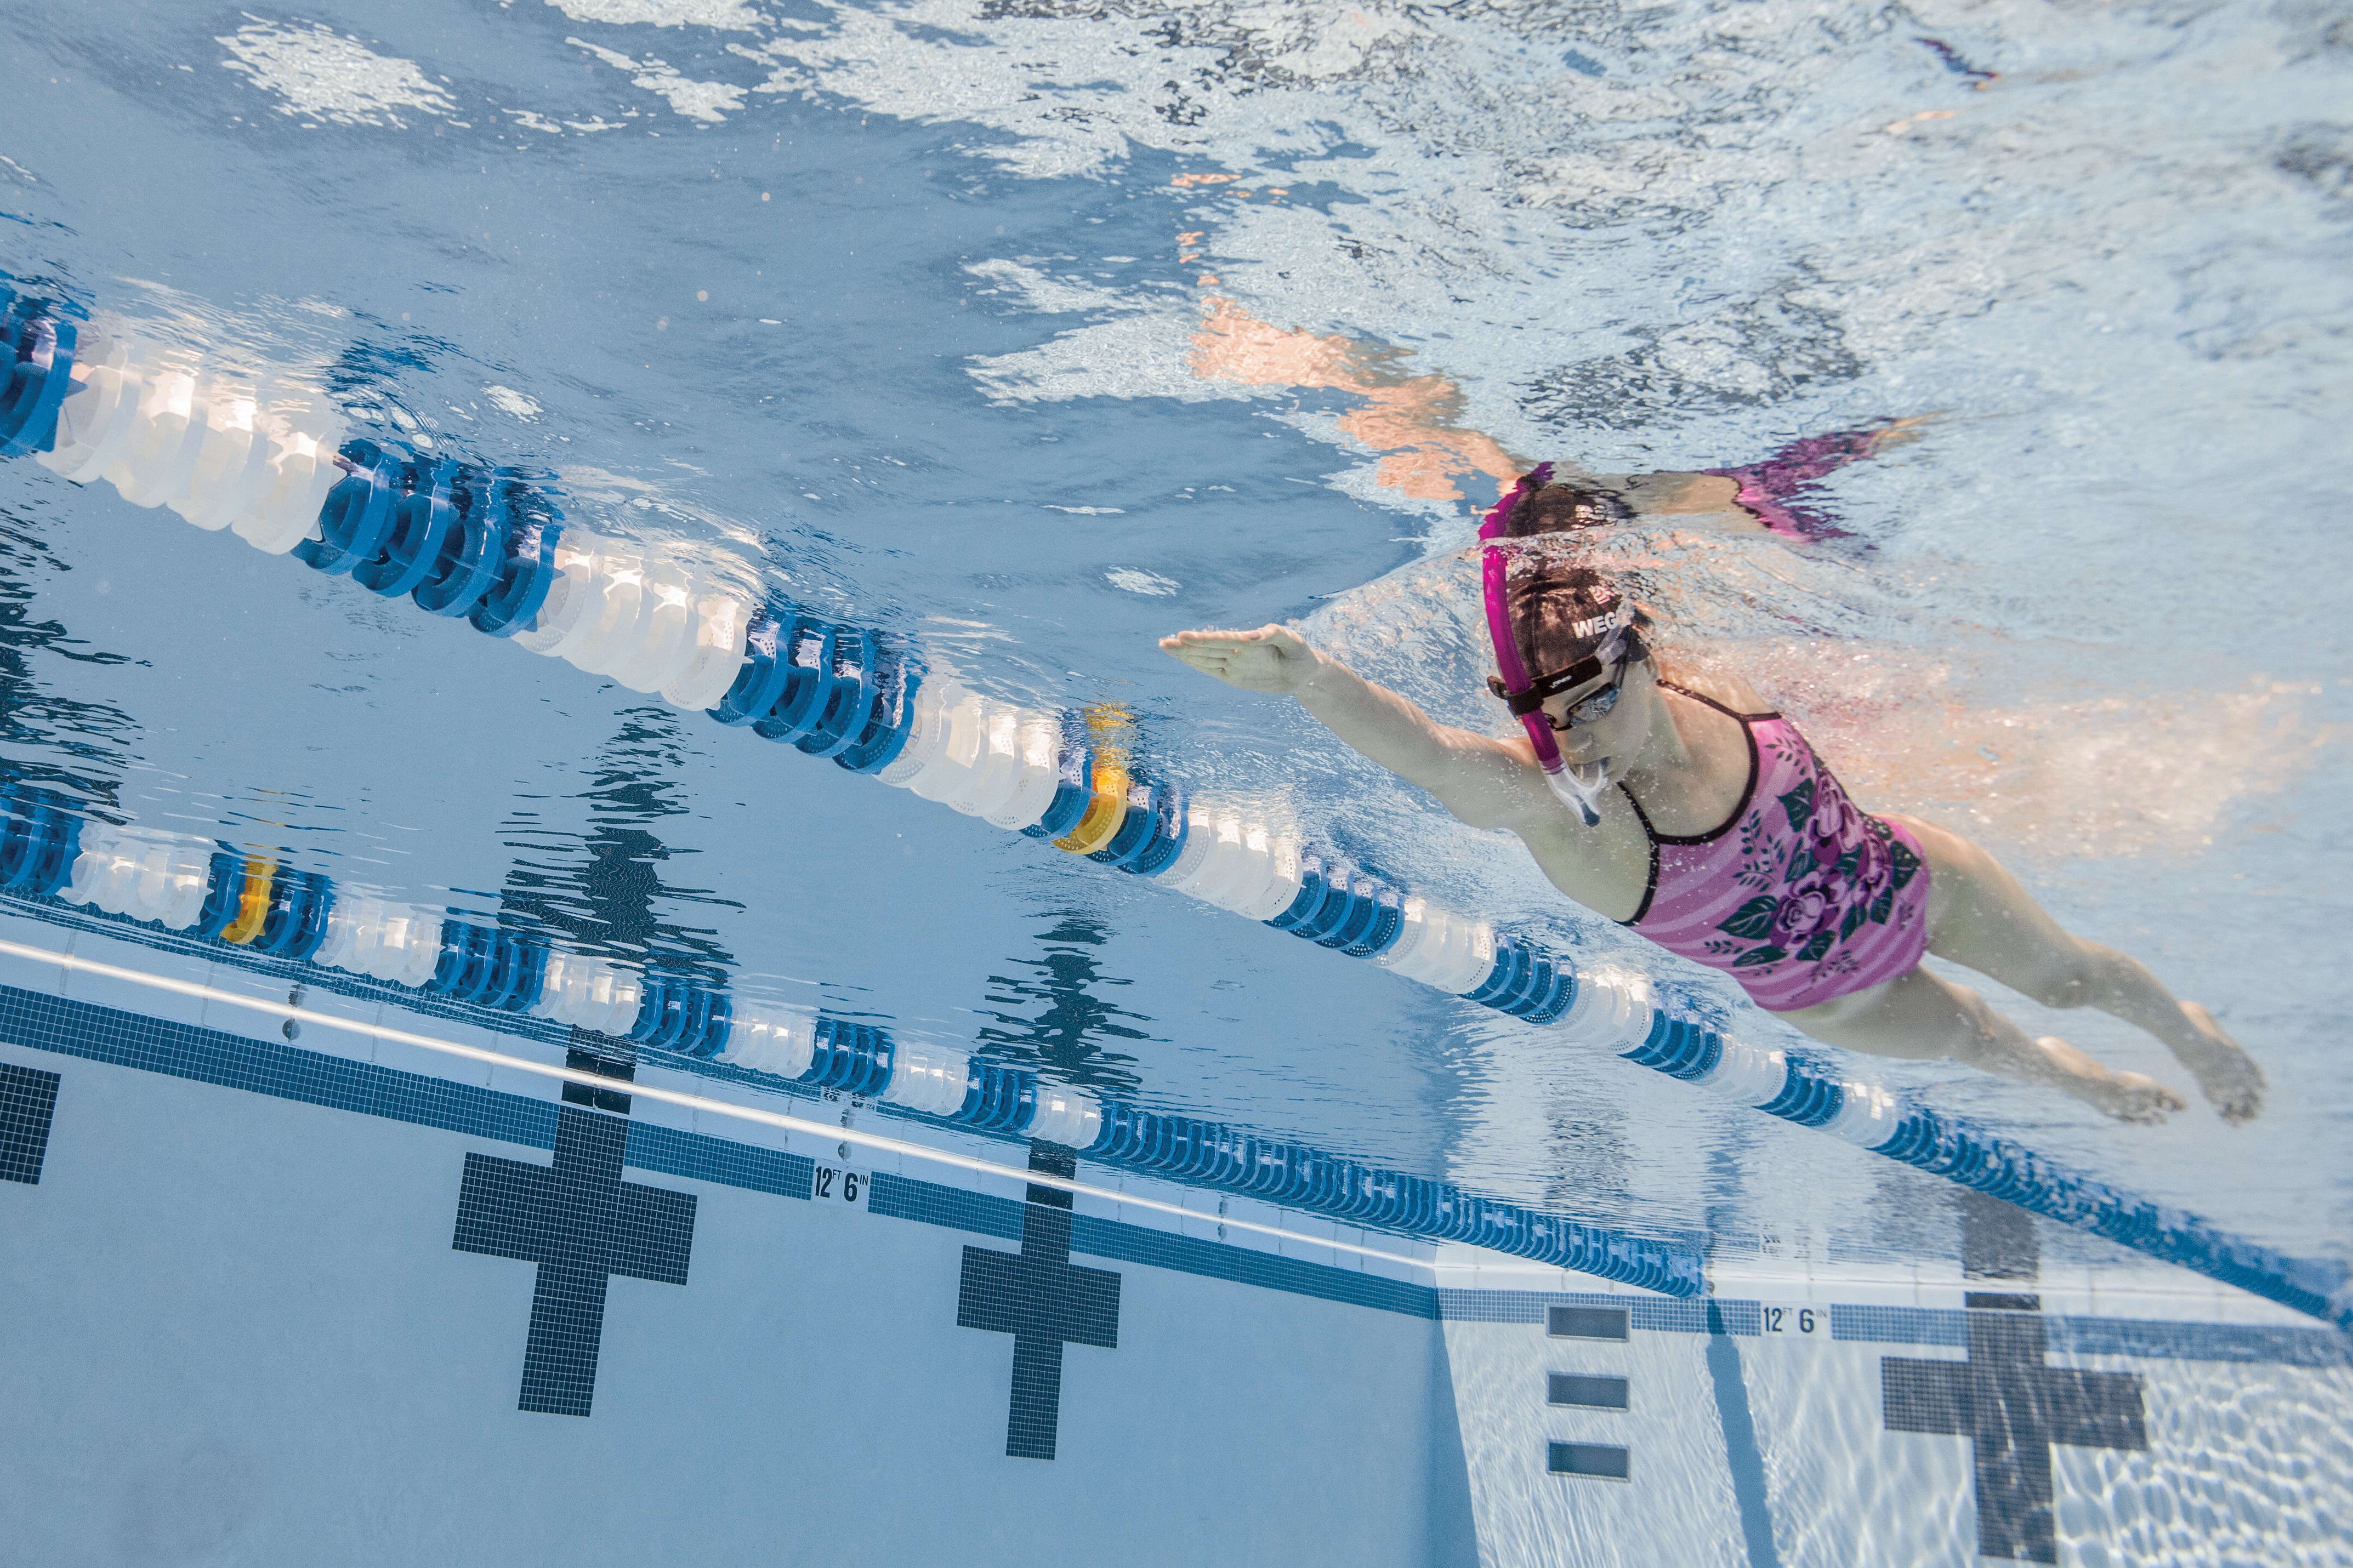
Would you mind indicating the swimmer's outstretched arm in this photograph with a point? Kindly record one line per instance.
(1483, 781)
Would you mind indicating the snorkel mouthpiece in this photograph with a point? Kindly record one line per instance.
(1579, 787)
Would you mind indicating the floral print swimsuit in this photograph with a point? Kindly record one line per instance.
(1798, 896)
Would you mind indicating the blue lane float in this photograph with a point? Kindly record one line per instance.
(272, 461)
(37, 348)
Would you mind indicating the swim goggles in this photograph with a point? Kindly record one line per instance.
(1628, 652)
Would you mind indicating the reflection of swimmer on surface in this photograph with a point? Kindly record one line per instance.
(1411, 419)
(1687, 811)
(1777, 491)
(1777, 494)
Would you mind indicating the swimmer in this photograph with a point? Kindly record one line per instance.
(1688, 811)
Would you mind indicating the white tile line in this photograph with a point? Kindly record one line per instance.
(820, 1129)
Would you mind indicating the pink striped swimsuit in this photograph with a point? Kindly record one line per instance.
(1797, 895)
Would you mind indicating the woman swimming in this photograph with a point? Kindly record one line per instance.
(1689, 811)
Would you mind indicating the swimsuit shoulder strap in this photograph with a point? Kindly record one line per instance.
(1639, 814)
(1651, 883)
(1712, 703)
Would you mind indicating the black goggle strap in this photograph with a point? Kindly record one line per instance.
(1544, 688)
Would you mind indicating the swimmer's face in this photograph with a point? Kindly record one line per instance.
(1608, 716)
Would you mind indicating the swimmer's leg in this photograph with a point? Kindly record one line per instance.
(1918, 1016)
(1980, 916)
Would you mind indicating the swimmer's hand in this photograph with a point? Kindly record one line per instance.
(1271, 659)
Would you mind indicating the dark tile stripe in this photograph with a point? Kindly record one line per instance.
(1191, 1254)
(2106, 1336)
(95, 1033)
(1901, 1325)
(1664, 1314)
(983, 1214)
(1930, 1326)
(904, 1197)
(700, 1157)
(2201, 1342)
(85, 1029)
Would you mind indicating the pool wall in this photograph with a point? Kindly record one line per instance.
(396, 1307)
(257, 1333)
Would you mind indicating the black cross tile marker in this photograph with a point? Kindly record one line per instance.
(1043, 1303)
(605, 1055)
(28, 1099)
(581, 1224)
(2014, 1408)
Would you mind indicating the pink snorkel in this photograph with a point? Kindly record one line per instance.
(1579, 787)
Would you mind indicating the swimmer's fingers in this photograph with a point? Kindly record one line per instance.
(1201, 644)
(1212, 661)
(1268, 659)
(1203, 650)
(1275, 635)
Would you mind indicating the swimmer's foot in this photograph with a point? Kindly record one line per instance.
(2233, 1082)
(2127, 1096)
(1896, 432)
